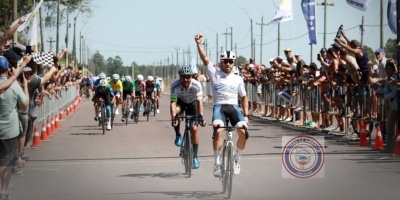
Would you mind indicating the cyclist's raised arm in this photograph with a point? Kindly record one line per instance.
(202, 52)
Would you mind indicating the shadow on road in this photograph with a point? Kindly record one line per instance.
(167, 175)
(191, 194)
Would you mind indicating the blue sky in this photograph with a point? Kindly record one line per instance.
(150, 31)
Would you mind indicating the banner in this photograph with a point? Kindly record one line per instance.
(284, 12)
(308, 7)
(28, 18)
(33, 36)
(359, 4)
(392, 15)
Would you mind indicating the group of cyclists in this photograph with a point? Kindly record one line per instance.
(185, 97)
(117, 90)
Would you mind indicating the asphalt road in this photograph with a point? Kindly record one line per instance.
(140, 161)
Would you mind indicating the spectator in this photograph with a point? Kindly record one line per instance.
(12, 98)
(9, 33)
(392, 113)
(381, 62)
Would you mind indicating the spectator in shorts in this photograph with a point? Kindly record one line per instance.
(10, 100)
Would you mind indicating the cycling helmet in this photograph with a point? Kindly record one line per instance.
(115, 77)
(123, 78)
(102, 75)
(150, 78)
(140, 77)
(103, 82)
(228, 55)
(128, 78)
(185, 71)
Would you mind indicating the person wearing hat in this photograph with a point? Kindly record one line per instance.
(12, 98)
(288, 54)
(381, 62)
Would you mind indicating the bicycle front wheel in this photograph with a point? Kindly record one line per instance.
(188, 154)
(103, 119)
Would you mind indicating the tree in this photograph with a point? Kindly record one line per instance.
(390, 49)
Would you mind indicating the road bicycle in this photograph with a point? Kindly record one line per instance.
(186, 150)
(136, 110)
(102, 119)
(227, 162)
(127, 108)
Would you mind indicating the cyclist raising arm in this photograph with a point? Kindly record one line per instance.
(227, 86)
(186, 95)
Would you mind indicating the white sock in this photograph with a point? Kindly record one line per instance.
(216, 158)
(238, 154)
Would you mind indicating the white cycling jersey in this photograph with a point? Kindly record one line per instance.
(190, 95)
(226, 88)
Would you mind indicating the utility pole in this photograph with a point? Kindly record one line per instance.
(66, 36)
(381, 24)
(226, 38)
(41, 30)
(15, 17)
(51, 43)
(74, 43)
(362, 31)
(325, 4)
(279, 39)
(261, 41)
(58, 26)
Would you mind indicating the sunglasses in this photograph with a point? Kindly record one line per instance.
(229, 61)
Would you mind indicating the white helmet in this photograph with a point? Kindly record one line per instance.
(228, 55)
(115, 77)
(140, 77)
(102, 75)
(123, 78)
(150, 78)
(103, 82)
(128, 78)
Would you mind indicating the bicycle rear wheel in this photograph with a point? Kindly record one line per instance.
(148, 108)
(137, 107)
(153, 106)
(126, 114)
(112, 116)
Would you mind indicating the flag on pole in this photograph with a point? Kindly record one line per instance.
(392, 15)
(359, 4)
(33, 36)
(284, 12)
(28, 18)
(308, 7)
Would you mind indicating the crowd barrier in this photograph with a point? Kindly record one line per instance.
(52, 111)
(359, 117)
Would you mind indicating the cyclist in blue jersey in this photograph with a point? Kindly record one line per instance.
(227, 87)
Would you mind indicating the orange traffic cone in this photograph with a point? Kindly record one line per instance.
(363, 136)
(57, 122)
(397, 145)
(53, 125)
(68, 111)
(48, 128)
(36, 137)
(378, 139)
(61, 114)
(43, 135)
(75, 104)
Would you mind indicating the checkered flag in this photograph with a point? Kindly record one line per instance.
(43, 58)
